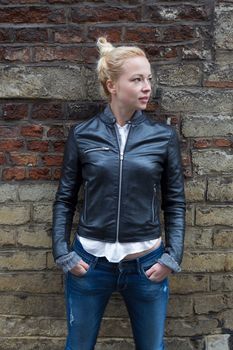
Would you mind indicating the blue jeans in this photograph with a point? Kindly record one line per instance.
(88, 295)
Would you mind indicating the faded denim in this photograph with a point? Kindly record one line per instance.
(87, 297)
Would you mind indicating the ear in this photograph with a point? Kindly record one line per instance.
(111, 86)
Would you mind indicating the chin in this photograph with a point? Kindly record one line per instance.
(142, 106)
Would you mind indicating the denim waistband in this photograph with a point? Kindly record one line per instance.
(154, 254)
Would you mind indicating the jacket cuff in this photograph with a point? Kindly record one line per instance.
(68, 261)
(170, 262)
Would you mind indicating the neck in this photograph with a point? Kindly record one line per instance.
(122, 115)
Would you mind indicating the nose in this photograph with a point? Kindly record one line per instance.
(147, 85)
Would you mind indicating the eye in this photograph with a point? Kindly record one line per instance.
(137, 79)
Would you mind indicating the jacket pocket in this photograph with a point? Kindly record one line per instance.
(96, 149)
(85, 202)
(153, 203)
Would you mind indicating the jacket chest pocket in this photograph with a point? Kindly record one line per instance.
(96, 149)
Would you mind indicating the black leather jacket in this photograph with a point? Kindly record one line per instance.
(121, 191)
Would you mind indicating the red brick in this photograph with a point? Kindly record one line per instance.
(17, 2)
(186, 160)
(5, 35)
(63, 1)
(57, 54)
(219, 84)
(188, 173)
(11, 145)
(56, 131)
(89, 54)
(47, 111)
(23, 159)
(59, 146)
(113, 34)
(2, 158)
(57, 174)
(194, 13)
(222, 142)
(31, 35)
(178, 33)
(39, 174)
(39, 146)
(143, 34)
(175, 120)
(32, 130)
(7, 131)
(13, 174)
(16, 54)
(157, 13)
(31, 14)
(83, 110)
(202, 143)
(152, 106)
(15, 111)
(69, 35)
(51, 160)
(155, 53)
(105, 13)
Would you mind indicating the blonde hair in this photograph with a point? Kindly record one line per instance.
(111, 61)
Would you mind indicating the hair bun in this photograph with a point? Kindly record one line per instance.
(104, 46)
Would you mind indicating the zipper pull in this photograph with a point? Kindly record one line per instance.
(121, 156)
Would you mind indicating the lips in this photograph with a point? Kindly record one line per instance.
(144, 99)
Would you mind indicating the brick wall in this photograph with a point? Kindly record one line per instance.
(47, 83)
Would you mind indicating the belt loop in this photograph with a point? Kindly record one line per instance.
(94, 261)
(138, 265)
(120, 266)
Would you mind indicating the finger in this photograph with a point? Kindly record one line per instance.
(151, 270)
(84, 264)
(158, 276)
(78, 270)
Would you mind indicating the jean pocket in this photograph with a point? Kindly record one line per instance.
(85, 273)
(144, 268)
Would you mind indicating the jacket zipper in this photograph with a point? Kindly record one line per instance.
(153, 203)
(97, 149)
(120, 178)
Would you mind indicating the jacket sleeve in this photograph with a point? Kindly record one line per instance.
(173, 205)
(66, 198)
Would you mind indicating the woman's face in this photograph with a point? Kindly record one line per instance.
(132, 90)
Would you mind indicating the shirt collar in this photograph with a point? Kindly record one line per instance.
(108, 117)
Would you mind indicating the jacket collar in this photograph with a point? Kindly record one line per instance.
(108, 117)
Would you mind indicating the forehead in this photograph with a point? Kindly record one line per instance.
(136, 65)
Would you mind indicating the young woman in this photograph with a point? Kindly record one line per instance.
(127, 163)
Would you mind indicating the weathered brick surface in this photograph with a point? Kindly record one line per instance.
(198, 326)
(195, 190)
(14, 215)
(47, 83)
(183, 284)
(207, 125)
(182, 75)
(198, 237)
(220, 189)
(197, 100)
(212, 161)
(215, 342)
(22, 260)
(223, 27)
(31, 282)
(216, 215)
